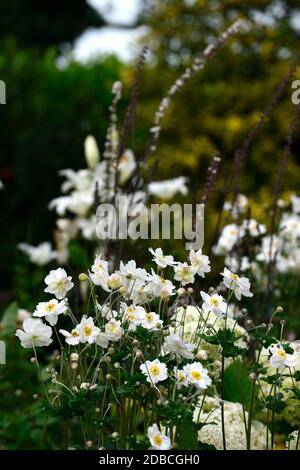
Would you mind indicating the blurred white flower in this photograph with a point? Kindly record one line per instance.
(160, 259)
(126, 166)
(155, 371)
(228, 238)
(295, 203)
(157, 286)
(214, 303)
(39, 255)
(91, 152)
(169, 188)
(34, 334)
(173, 343)
(254, 228)
(58, 283)
(239, 285)
(200, 262)
(279, 358)
(50, 310)
(197, 375)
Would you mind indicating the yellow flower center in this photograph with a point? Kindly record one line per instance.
(149, 316)
(74, 333)
(123, 158)
(157, 440)
(232, 231)
(87, 330)
(281, 353)
(50, 307)
(196, 375)
(234, 276)
(214, 302)
(181, 377)
(154, 370)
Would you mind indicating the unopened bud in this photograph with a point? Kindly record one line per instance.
(83, 277)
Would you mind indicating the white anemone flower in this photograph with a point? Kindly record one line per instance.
(87, 330)
(184, 273)
(73, 337)
(50, 310)
(160, 259)
(239, 285)
(151, 321)
(173, 343)
(158, 440)
(200, 262)
(155, 371)
(197, 375)
(34, 333)
(279, 358)
(214, 303)
(181, 378)
(58, 283)
(113, 330)
(133, 315)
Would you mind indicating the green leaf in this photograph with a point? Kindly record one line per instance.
(237, 385)
(9, 320)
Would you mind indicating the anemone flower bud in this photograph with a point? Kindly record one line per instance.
(91, 151)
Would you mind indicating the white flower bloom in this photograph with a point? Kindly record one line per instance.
(197, 375)
(234, 264)
(39, 255)
(50, 310)
(106, 312)
(102, 340)
(126, 166)
(214, 303)
(200, 262)
(169, 188)
(290, 227)
(72, 338)
(157, 286)
(114, 281)
(34, 333)
(87, 226)
(184, 273)
(22, 314)
(181, 377)
(133, 315)
(254, 228)
(240, 205)
(160, 259)
(129, 271)
(229, 236)
(58, 283)
(87, 330)
(151, 321)
(279, 358)
(80, 180)
(91, 151)
(173, 343)
(113, 330)
(158, 440)
(295, 203)
(155, 371)
(269, 249)
(99, 274)
(239, 285)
